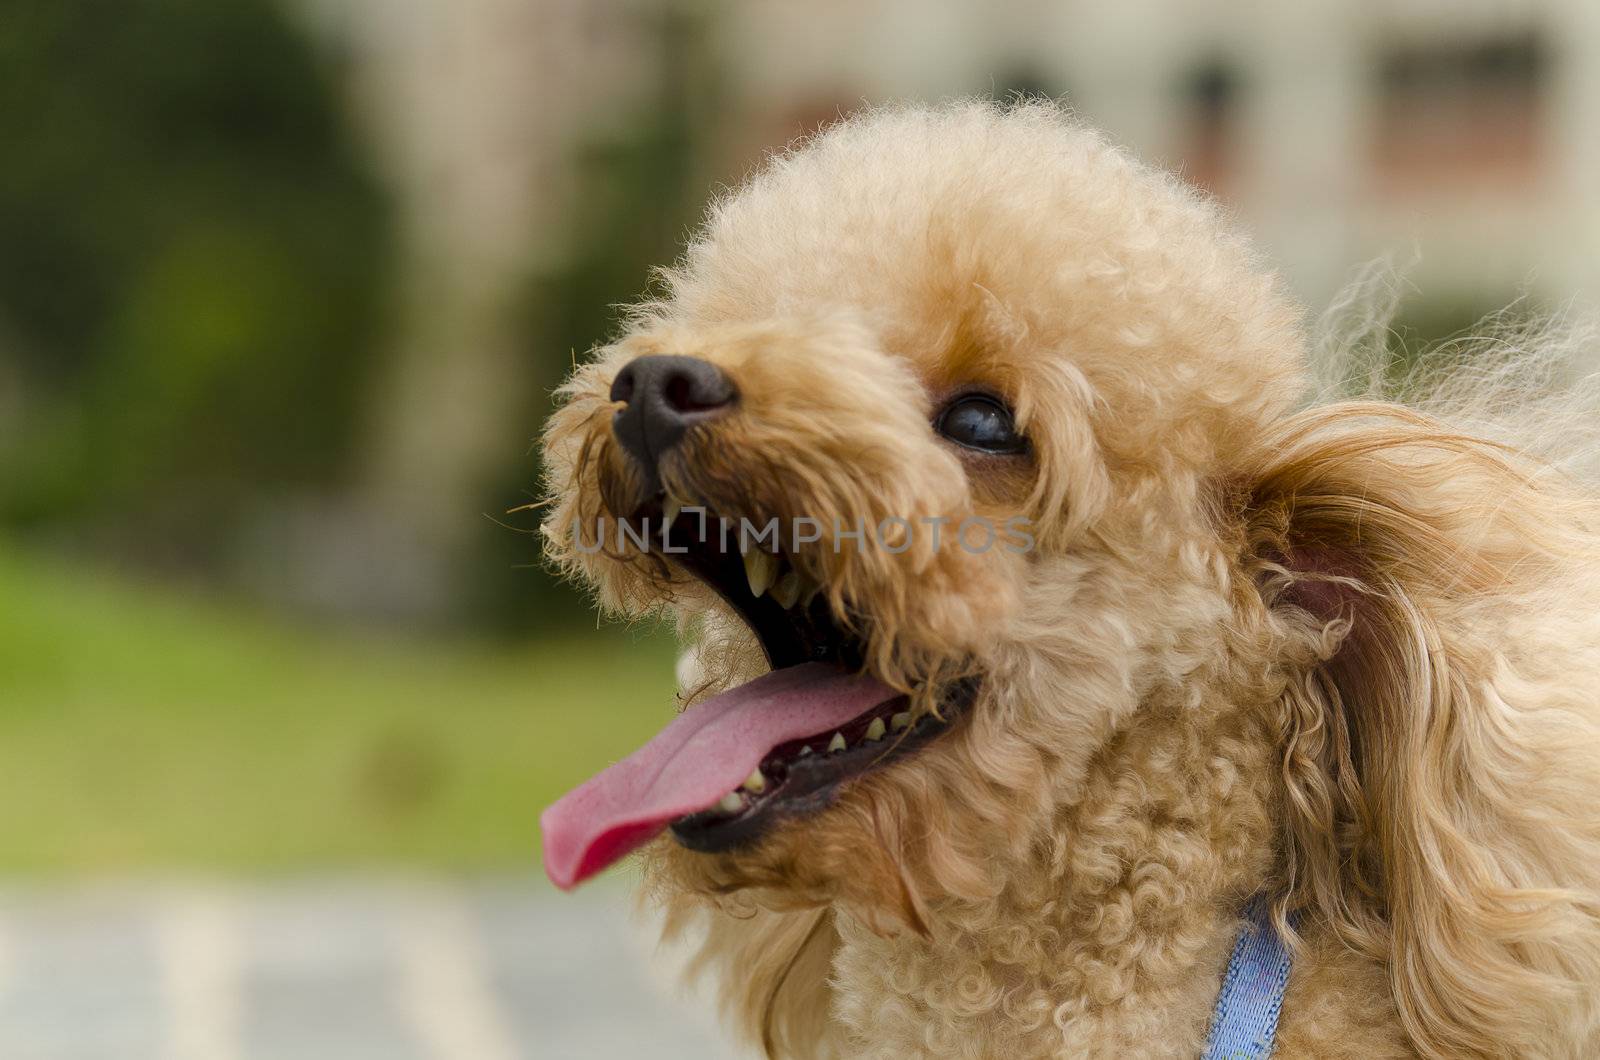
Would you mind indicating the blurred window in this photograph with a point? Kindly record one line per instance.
(1211, 97)
(1467, 112)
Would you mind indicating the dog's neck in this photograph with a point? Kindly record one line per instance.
(1115, 937)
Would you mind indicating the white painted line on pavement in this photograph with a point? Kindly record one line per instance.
(5, 958)
(199, 939)
(443, 981)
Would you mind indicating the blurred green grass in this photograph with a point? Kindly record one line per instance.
(141, 730)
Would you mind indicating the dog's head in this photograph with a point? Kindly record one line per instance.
(981, 438)
(944, 398)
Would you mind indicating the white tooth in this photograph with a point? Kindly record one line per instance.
(836, 744)
(760, 568)
(787, 590)
(732, 802)
(755, 783)
(669, 511)
(900, 721)
(875, 729)
(805, 749)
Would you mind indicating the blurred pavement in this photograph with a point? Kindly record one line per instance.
(343, 970)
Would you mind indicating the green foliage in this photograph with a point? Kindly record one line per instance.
(191, 262)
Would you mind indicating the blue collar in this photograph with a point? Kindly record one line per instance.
(1246, 1017)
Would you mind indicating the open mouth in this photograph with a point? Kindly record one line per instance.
(723, 772)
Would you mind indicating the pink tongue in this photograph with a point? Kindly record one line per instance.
(704, 753)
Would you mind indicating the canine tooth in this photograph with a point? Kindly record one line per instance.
(755, 783)
(836, 744)
(875, 729)
(760, 568)
(732, 802)
(787, 590)
(805, 749)
(900, 721)
(669, 511)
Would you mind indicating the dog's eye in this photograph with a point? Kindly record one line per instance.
(980, 422)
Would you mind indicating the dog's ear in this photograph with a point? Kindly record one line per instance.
(1430, 601)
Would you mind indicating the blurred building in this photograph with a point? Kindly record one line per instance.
(1468, 130)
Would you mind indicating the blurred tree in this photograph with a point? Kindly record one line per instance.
(191, 268)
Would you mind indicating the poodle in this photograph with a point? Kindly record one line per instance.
(1069, 647)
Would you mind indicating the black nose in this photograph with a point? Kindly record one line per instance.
(666, 395)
